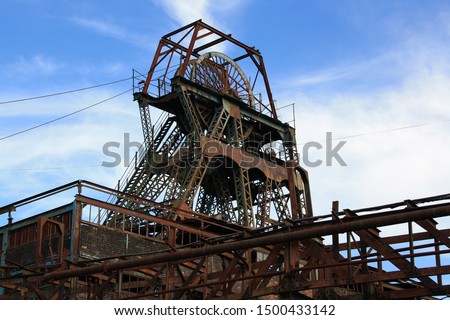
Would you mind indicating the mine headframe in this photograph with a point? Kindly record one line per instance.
(218, 147)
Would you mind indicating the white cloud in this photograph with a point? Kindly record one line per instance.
(35, 65)
(337, 73)
(101, 27)
(412, 88)
(66, 150)
(185, 12)
(383, 165)
(211, 12)
(112, 30)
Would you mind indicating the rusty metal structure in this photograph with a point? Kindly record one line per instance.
(217, 206)
(218, 147)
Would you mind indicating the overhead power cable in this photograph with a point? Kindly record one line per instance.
(392, 129)
(64, 116)
(385, 130)
(65, 92)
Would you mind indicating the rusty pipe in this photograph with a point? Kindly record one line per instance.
(297, 234)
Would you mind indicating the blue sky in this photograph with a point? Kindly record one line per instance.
(358, 69)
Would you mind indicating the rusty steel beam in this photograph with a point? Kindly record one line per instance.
(41, 223)
(39, 196)
(244, 159)
(403, 238)
(311, 231)
(434, 232)
(416, 292)
(394, 257)
(226, 273)
(162, 221)
(195, 46)
(374, 277)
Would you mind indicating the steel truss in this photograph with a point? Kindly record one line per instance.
(206, 258)
(216, 206)
(215, 147)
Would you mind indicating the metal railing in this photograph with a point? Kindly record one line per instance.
(159, 86)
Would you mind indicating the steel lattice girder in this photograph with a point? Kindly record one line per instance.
(213, 151)
(245, 263)
(211, 102)
(244, 165)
